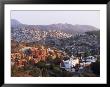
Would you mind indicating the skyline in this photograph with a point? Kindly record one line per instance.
(54, 17)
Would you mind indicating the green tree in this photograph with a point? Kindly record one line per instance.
(14, 70)
(49, 59)
(57, 61)
(36, 72)
(87, 53)
(57, 71)
(41, 64)
(45, 72)
(95, 67)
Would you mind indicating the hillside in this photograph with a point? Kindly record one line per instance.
(40, 50)
(32, 33)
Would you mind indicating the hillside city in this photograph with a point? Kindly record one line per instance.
(56, 50)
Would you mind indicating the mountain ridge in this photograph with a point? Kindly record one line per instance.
(14, 21)
(25, 32)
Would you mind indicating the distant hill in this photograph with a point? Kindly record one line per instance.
(32, 33)
(15, 23)
(68, 28)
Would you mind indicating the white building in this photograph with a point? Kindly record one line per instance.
(69, 64)
(50, 50)
(88, 60)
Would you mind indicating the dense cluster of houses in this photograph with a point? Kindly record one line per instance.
(77, 64)
(32, 34)
(81, 43)
(32, 55)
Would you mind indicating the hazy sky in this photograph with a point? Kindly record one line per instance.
(53, 17)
